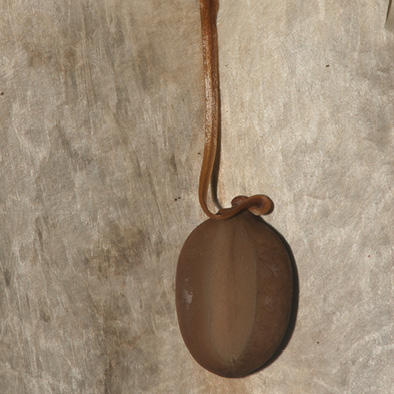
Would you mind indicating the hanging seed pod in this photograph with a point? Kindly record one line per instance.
(234, 281)
(234, 290)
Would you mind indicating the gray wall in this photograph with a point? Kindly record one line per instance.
(101, 130)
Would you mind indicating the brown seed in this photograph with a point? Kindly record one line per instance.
(234, 291)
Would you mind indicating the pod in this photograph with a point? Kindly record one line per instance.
(234, 290)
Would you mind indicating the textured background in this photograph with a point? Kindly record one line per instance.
(101, 118)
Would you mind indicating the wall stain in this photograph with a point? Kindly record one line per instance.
(118, 252)
(172, 163)
(79, 160)
(44, 316)
(120, 343)
(7, 278)
(44, 311)
(38, 223)
(115, 255)
(47, 52)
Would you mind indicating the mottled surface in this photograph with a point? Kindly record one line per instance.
(234, 294)
(101, 116)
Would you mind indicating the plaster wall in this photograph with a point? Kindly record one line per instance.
(101, 135)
